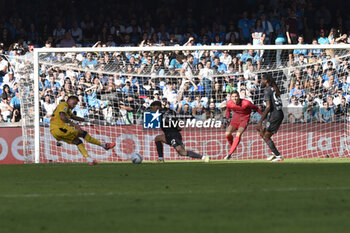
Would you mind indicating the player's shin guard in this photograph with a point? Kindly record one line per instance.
(273, 147)
(234, 145)
(193, 155)
(159, 149)
(82, 150)
(90, 139)
(230, 139)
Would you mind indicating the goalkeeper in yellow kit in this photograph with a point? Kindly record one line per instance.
(63, 129)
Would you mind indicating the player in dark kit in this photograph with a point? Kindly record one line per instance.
(273, 113)
(241, 114)
(172, 135)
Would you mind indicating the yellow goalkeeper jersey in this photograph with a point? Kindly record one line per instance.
(56, 121)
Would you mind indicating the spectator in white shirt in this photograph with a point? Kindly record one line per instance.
(295, 111)
(3, 66)
(5, 109)
(226, 58)
(170, 93)
(9, 79)
(187, 68)
(206, 76)
(251, 79)
(266, 24)
(48, 107)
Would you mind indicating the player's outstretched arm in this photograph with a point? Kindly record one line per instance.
(68, 121)
(76, 118)
(254, 107)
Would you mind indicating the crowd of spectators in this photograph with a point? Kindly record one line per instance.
(320, 92)
(118, 87)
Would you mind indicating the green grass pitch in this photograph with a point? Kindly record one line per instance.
(238, 196)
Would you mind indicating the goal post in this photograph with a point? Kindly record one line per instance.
(36, 108)
(298, 137)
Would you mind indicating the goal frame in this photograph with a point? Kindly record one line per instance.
(36, 66)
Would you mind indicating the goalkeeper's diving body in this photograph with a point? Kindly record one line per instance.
(172, 135)
(273, 113)
(64, 129)
(241, 114)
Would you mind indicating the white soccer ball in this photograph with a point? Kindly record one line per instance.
(136, 158)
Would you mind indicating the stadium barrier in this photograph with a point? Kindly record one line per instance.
(309, 143)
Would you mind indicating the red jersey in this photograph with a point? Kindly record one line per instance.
(241, 110)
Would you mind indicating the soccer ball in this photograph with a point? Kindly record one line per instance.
(136, 158)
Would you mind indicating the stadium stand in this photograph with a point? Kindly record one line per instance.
(310, 90)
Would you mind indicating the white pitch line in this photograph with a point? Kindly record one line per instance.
(290, 189)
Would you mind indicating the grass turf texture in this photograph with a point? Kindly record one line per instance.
(238, 196)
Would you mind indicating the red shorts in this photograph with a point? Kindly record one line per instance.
(239, 122)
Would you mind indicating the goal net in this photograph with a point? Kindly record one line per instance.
(116, 86)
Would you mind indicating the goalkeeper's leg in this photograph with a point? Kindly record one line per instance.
(228, 134)
(236, 141)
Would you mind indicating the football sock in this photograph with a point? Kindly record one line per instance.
(159, 149)
(82, 150)
(92, 140)
(273, 148)
(234, 145)
(193, 155)
(230, 139)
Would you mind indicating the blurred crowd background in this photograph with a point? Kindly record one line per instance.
(315, 84)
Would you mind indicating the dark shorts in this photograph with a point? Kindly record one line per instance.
(174, 138)
(274, 121)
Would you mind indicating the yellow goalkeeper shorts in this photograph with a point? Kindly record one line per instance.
(64, 133)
